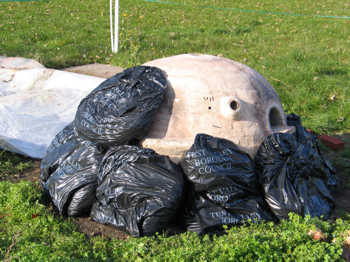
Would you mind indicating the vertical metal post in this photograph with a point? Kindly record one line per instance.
(114, 28)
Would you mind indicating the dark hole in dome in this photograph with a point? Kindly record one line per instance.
(234, 105)
(275, 118)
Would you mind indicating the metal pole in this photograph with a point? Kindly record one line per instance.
(116, 25)
(114, 28)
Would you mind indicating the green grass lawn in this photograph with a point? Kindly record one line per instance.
(30, 232)
(304, 56)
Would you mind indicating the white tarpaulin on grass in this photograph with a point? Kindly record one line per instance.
(36, 103)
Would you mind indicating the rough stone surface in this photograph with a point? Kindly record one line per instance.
(216, 96)
(99, 70)
(18, 63)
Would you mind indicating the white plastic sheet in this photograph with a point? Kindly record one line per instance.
(36, 103)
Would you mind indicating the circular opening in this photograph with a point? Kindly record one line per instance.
(234, 105)
(209, 107)
(275, 118)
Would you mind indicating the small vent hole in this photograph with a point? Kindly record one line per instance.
(209, 107)
(275, 118)
(234, 105)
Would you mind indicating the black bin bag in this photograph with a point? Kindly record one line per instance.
(294, 174)
(121, 108)
(139, 191)
(224, 188)
(68, 172)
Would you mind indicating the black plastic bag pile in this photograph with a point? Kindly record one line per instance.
(95, 167)
(294, 175)
(117, 112)
(68, 172)
(139, 191)
(121, 109)
(224, 187)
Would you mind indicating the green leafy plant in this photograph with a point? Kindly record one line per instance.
(30, 231)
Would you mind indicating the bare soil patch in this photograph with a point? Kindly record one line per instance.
(32, 175)
(91, 229)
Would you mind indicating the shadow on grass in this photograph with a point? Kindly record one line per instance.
(13, 166)
(331, 71)
(341, 161)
